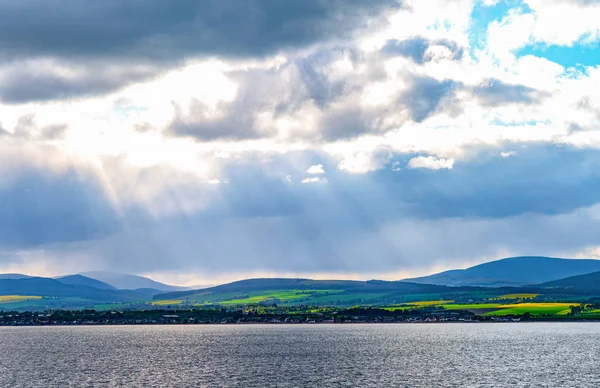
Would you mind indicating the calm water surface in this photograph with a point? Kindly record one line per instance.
(426, 355)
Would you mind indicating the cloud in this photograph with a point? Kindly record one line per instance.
(165, 30)
(27, 127)
(426, 96)
(158, 130)
(496, 93)
(314, 180)
(48, 80)
(388, 222)
(41, 206)
(316, 169)
(431, 163)
(418, 48)
(68, 49)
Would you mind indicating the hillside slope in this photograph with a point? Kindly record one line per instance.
(588, 283)
(7, 276)
(54, 288)
(123, 281)
(80, 280)
(308, 291)
(514, 271)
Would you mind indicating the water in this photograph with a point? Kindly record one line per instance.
(403, 355)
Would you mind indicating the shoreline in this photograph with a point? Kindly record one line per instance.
(300, 323)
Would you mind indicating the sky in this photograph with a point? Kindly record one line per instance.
(199, 142)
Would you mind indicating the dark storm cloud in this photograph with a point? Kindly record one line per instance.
(496, 93)
(397, 219)
(260, 221)
(416, 48)
(143, 38)
(41, 207)
(165, 29)
(22, 83)
(547, 180)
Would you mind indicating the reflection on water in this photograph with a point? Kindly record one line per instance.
(428, 355)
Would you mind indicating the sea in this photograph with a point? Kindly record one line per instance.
(327, 355)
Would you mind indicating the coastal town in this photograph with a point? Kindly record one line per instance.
(240, 316)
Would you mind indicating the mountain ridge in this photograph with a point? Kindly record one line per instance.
(587, 282)
(124, 281)
(512, 271)
(80, 280)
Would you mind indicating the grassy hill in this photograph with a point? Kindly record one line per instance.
(317, 292)
(41, 293)
(514, 271)
(586, 283)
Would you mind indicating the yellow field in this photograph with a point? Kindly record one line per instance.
(516, 296)
(413, 305)
(167, 302)
(430, 303)
(17, 298)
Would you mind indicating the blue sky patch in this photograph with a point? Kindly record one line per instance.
(577, 56)
(483, 15)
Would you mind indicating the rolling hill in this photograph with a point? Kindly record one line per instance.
(129, 282)
(47, 287)
(80, 280)
(7, 276)
(315, 292)
(587, 283)
(514, 271)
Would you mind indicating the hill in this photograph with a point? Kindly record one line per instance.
(586, 283)
(314, 292)
(80, 280)
(13, 276)
(123, 281)
(514, 271)
(53, 288)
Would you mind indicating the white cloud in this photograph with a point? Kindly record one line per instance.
(550, 22)
(508, 154)
(430, 162)
(564, 22)
(316, 169)
(314, 180)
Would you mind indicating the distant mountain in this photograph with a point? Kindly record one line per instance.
(514, 271)
(14, 276)
(80, 280)
(123, 281)
(54, 288)
(587, 283)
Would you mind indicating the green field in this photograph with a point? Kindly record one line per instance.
(535, 309)
(499, 309)
(283, 297)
